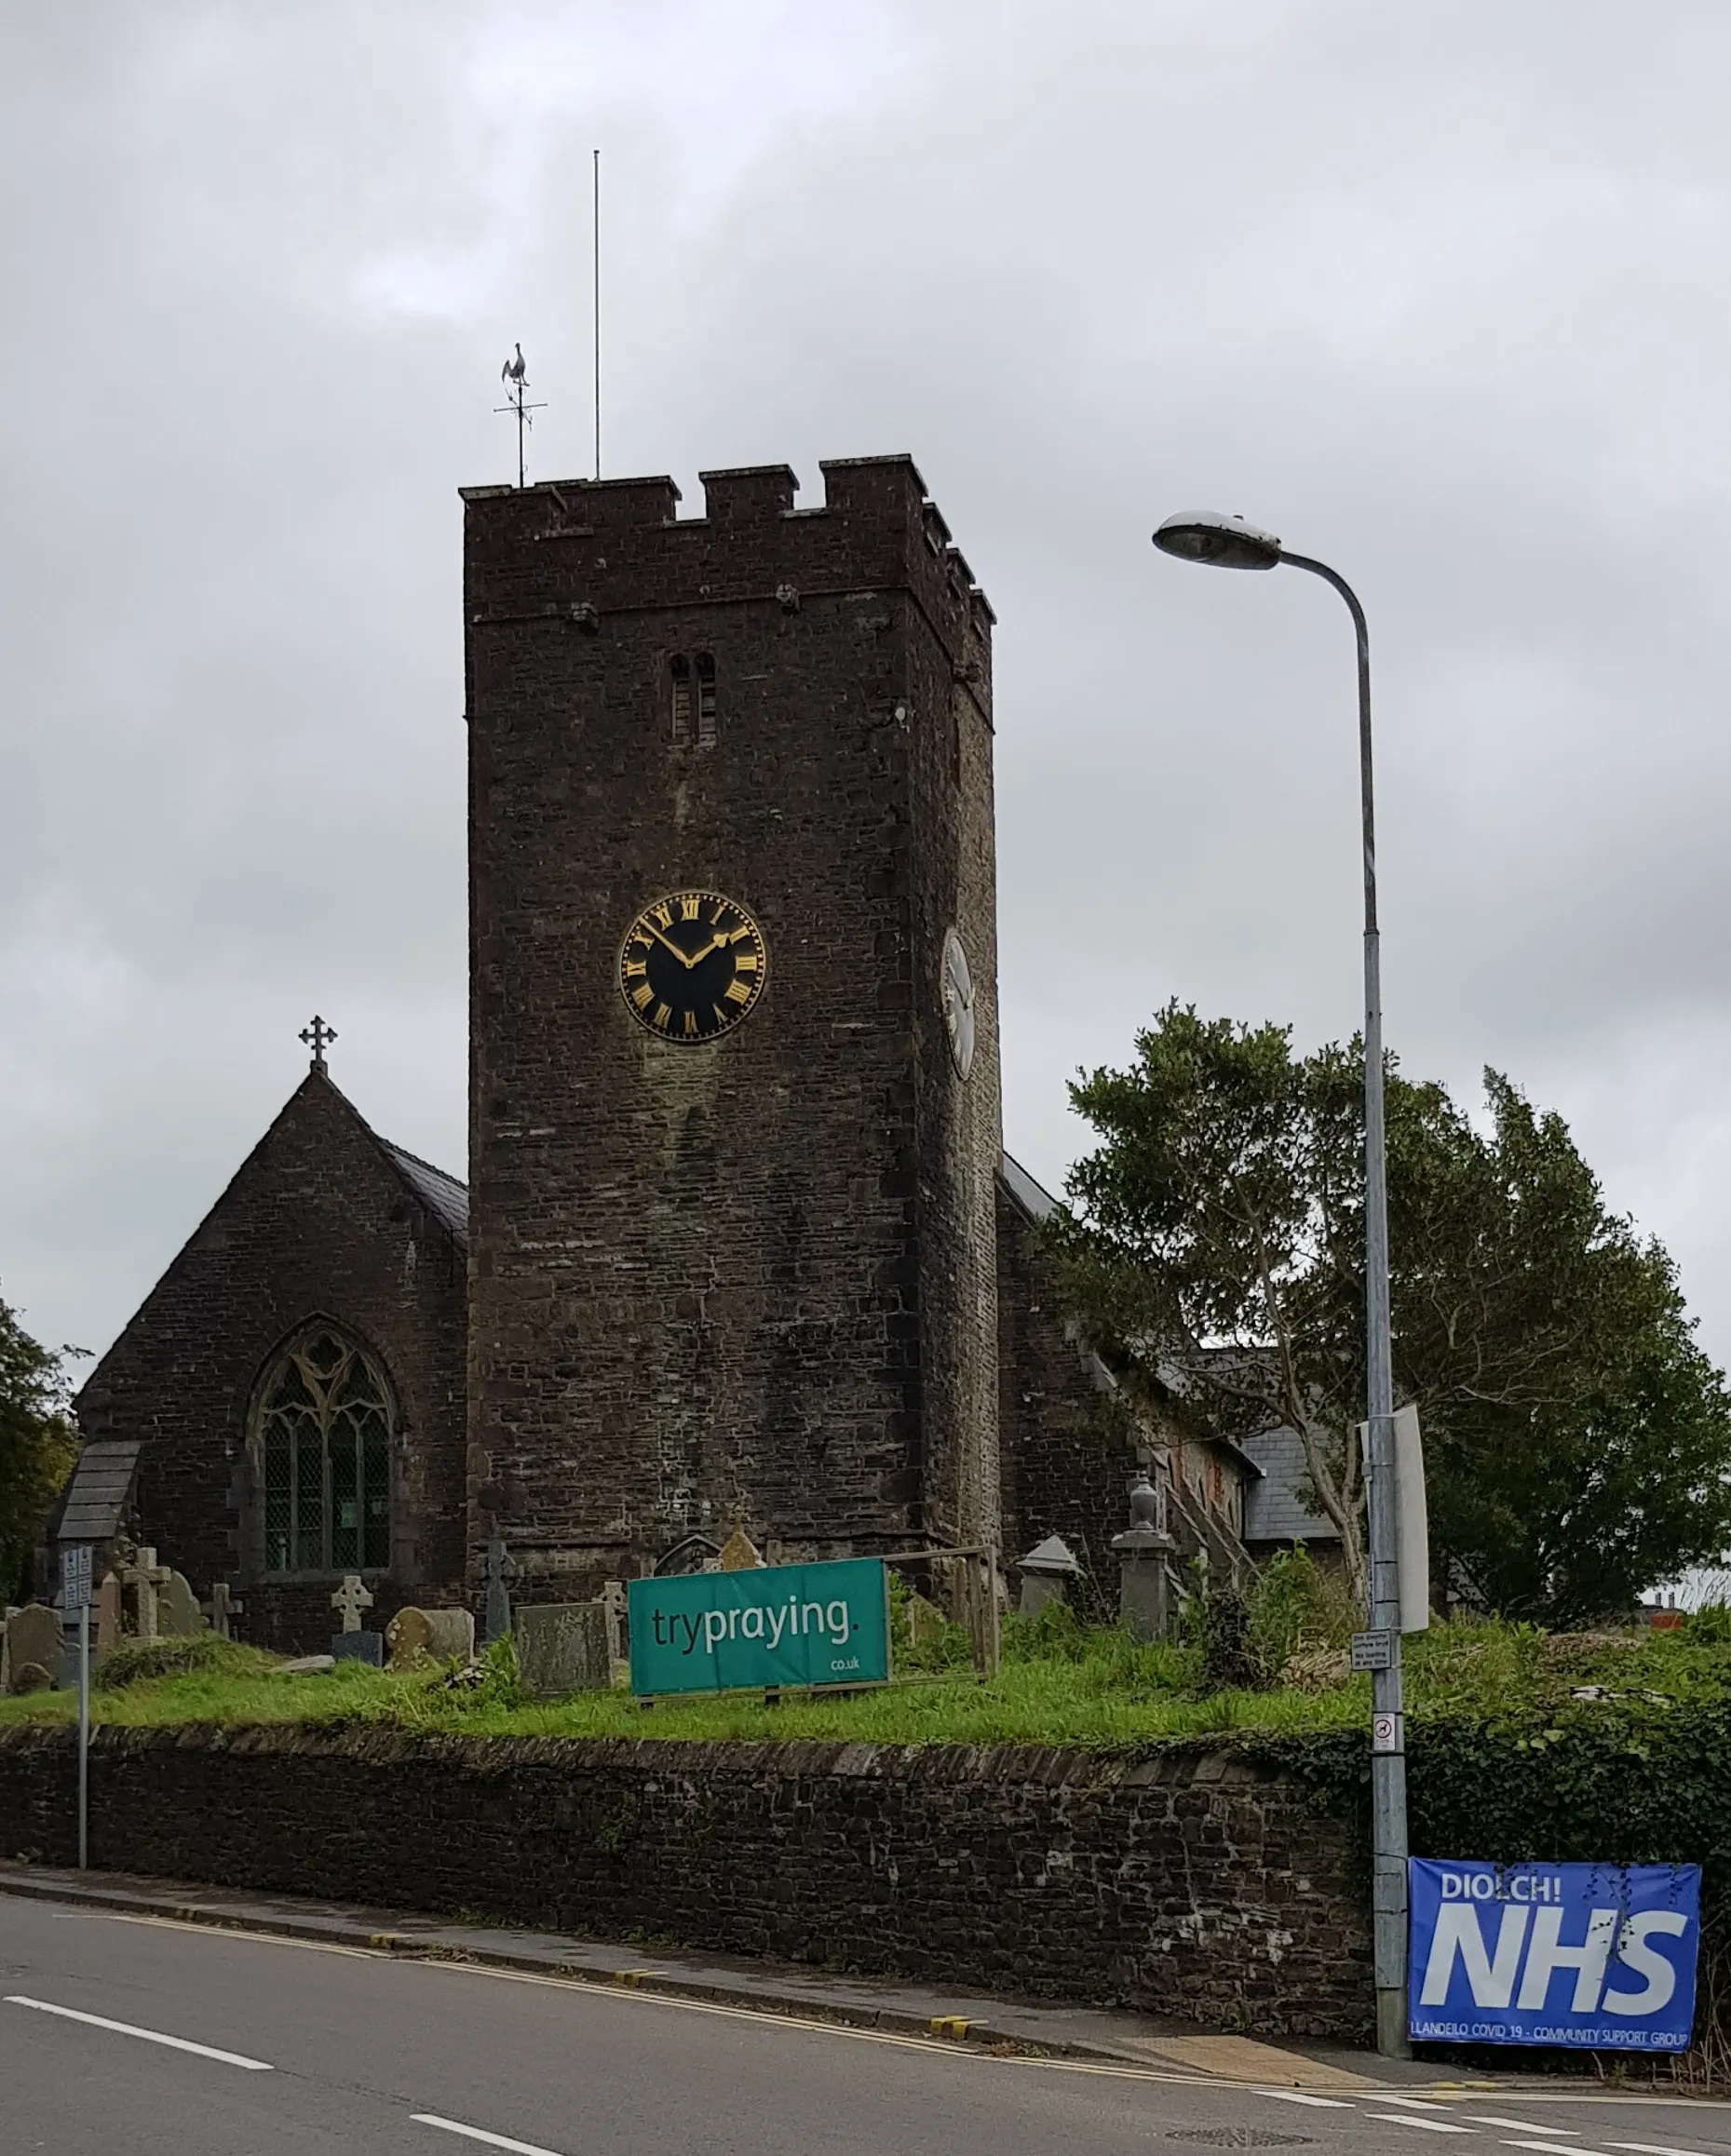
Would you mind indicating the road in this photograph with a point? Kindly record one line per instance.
(121, 2033)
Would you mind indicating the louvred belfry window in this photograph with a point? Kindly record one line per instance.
(323, 1449)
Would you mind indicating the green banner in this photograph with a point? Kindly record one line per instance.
(778, 1624)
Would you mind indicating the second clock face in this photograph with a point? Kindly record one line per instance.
(692, 966)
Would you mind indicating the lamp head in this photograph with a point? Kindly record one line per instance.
(1226, 542)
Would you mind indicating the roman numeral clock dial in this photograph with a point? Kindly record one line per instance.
(692, 967)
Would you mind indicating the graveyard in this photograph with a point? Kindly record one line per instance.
(1059, 1682)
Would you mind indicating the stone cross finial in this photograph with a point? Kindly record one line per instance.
(349, 1600)
(318, 1036)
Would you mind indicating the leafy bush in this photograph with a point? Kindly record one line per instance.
(204, 1655)
(1294, 1599)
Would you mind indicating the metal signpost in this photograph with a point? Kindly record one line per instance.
(772, 1628)
(75, 1575)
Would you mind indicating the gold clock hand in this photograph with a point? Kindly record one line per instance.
(669, 944)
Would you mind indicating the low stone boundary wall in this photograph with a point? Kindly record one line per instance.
(1193, 1883)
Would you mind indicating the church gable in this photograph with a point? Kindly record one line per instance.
(325, 1233)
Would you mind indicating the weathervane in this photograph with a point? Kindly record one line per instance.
(318, 1036)
(516, 373)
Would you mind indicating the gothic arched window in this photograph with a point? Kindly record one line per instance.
(322, 1446)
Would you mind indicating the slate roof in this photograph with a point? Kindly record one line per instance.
(1034, 1198)
(443, 1195)
(97, 1491)
(1273, 1510)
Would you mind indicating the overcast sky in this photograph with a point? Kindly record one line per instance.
(1436, 290)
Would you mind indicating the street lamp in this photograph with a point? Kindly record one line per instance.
(1230, 543)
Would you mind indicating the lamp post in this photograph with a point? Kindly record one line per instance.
(1230, 543)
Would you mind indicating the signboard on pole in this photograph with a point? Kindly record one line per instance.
(75, 1570)
(759, 1630)
(1597, 1957)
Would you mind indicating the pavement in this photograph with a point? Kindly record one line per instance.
(147, 2016)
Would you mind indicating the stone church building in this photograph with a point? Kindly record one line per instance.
(739, 1240)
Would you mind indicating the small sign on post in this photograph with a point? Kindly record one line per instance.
(76, 1576)
(1373, 1650)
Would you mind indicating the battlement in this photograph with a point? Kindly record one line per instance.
(586, 547)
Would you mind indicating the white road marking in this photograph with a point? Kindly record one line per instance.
(1297, 2096)
(1418, 2103)
(1654, 2149)
(1521, 2125)
(1552, 2148)
(1418, 2118)
(481, 2133)
(256, 2065)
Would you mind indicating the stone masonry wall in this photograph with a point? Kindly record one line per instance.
(751, 1276)
(315, 1224)
(1192, 1883)
(1068, 1446)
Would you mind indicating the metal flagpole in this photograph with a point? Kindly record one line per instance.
(596, 246)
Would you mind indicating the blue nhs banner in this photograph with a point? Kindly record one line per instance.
(1598, 1956)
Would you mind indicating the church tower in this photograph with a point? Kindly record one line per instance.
(735, 1122)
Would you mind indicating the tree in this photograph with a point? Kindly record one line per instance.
(37, 1446)
(1578, 1440)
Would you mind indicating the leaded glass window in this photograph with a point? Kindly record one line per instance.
(323, 1449)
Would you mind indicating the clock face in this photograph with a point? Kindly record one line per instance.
(692, 966)
(958, 1004)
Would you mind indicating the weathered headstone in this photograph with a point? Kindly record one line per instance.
(615, 1601)
(146, 1578)
(453, 1635)
(739, 1552)
(926, 1622)
(1045, 1573)
(498, 1607)
(368, 1647)
(562, 1647)
(223, 1609)
(414, 1637)
(407, 1638)
(33, 1642)
(105, 1616)
(1144, 1553)
(178, 1614)
(350, 1599)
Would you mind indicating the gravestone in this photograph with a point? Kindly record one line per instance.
(146, 1578)
(926, 1622)
(33, 1643)
(305, 1665)
(1046, 1572)
(498, 1606)
(614, 1603)
(350, 1599)
(178, 1614)
(1144, 1553)
(562, 1647)
(414, 1637)
(453, 1635)
(105, 1617)
(408, 1638)
(368, 1647)
(223, 1609)
(738, 1553)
